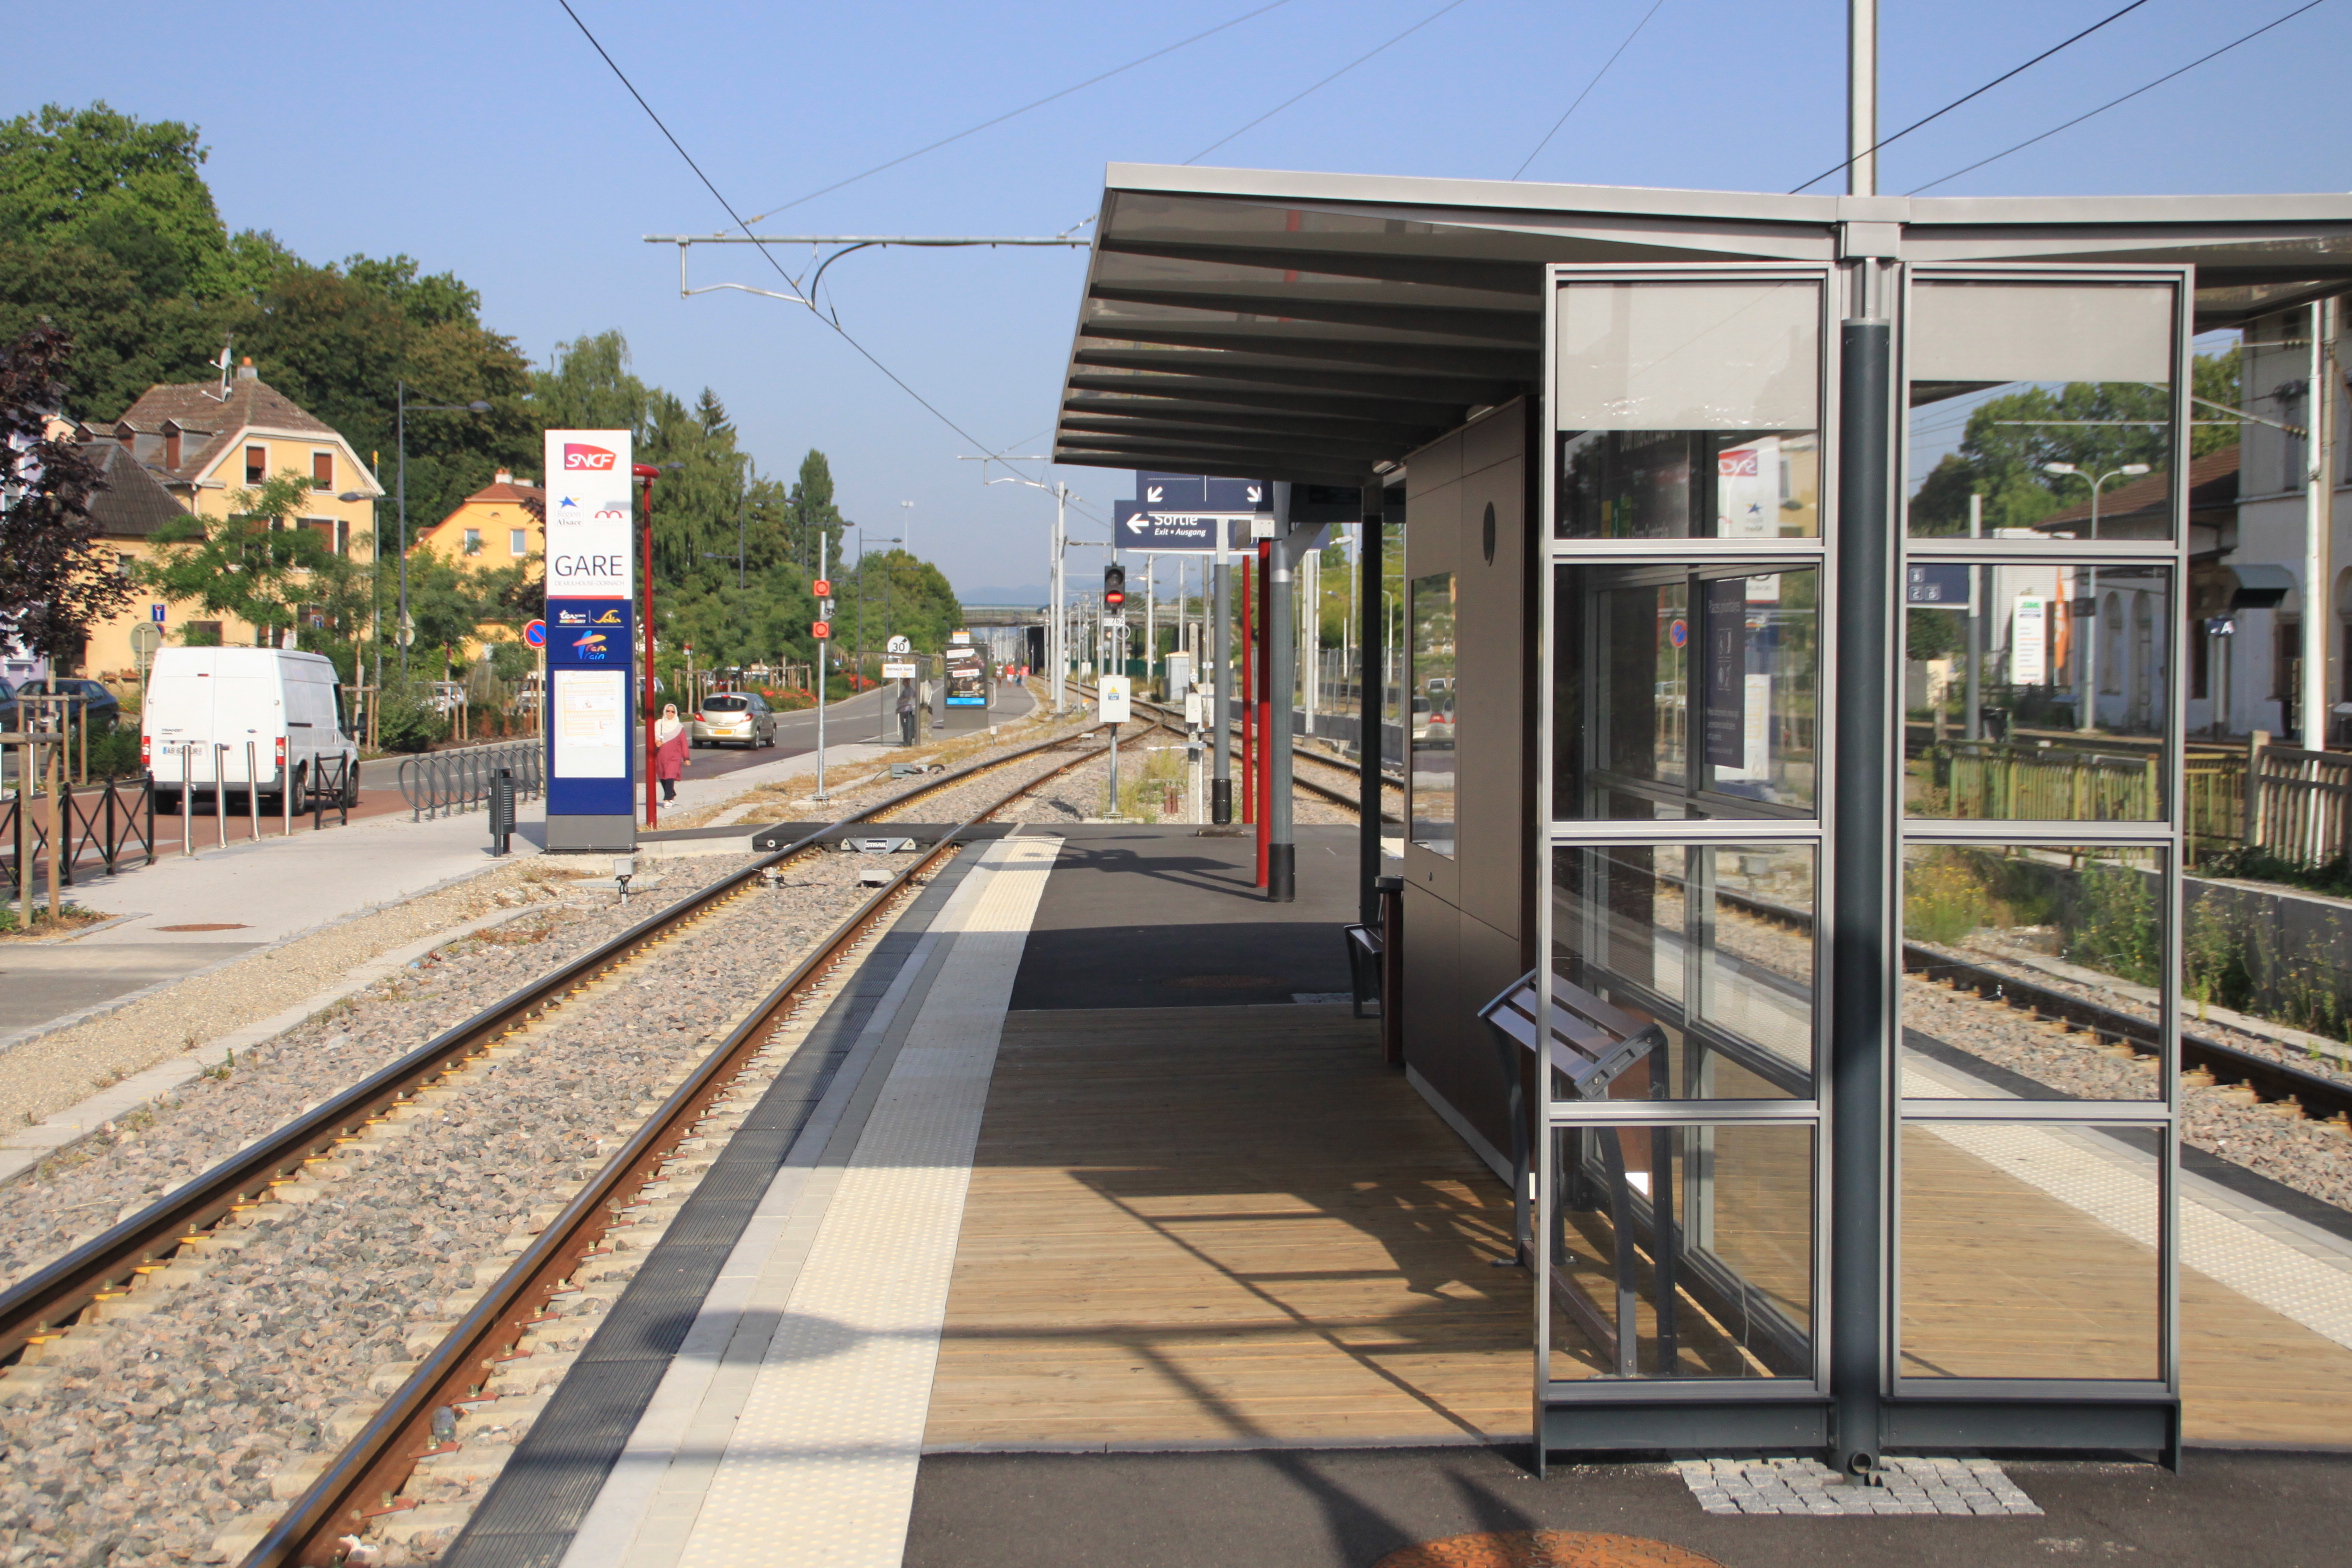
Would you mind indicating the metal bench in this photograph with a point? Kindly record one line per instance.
(1592, 1044)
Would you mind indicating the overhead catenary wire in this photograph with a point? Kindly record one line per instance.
(1588, 87)
(2313, 5)
(1327, 81)
(741, 223)
(1014, 114)
(1842, 164)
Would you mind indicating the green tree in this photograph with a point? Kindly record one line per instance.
(901, 595)
(56, 575)
(590, 387)
(104, 180)
(258, 564)
(810, 517)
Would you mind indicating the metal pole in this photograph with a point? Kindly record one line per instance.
(187, 799)
(220, 793)
(1980, 583)
(1059, 652)
(1861, 97)
(400, 441)
(1249, 700)
(57, 831)
(1861, 946)
(1219, 647)
(1282, 646)
(1368, 695)
(253, 791)
(2319, 489)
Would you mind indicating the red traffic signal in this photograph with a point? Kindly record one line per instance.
(822, 588)
(821, 630)
(1114, 587)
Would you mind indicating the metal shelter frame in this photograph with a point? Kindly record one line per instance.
(1325, 329)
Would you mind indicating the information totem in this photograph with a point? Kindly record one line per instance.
(591, 544)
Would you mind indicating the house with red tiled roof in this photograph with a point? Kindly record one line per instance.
(194, 447)
(502, 524)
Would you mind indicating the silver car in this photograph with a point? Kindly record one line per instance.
(733, 718)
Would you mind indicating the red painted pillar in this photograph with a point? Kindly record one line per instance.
(646, 474)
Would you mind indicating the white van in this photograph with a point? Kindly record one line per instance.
(207, 706)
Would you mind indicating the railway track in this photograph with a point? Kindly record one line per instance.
(48, 1303)
(2274, 1082)
(1345, 799)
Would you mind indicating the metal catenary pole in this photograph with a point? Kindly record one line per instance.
(823, 644)
(2319, 488)
(1282, 645)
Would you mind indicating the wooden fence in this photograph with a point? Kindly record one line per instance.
(2298, 807)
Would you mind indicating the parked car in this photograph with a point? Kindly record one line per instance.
(80, 696)
(740, 718)
(206, 706)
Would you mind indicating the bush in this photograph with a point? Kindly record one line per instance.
(115, 753)
(1944, 897)
(406, 721)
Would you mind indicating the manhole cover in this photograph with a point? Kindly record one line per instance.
(214, 925)
(1226, 982)
(1545, 1549)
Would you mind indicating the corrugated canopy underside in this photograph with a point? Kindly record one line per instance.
(1306, 327)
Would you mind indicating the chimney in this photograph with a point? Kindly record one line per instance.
(245, 369)
(504, 478)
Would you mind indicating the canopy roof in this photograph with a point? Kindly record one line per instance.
(1306, 327)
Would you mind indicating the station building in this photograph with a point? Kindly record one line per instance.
(1659, 457)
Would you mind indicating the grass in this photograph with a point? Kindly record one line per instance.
(47, 922)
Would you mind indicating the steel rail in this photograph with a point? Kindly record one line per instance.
(1337, 797)
(2322, 1098)
(38, 1307)
(365, 1479)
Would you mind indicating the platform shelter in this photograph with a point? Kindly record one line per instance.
(1662, 459)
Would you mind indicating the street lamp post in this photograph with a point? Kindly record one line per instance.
(2087, 705)
(401, 406)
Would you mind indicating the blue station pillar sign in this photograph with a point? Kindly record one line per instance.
(591, 722)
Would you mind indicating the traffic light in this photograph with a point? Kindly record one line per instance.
(1114, 587)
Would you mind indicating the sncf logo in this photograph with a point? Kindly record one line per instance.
(580, 457)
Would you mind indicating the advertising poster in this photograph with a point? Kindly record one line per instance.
(2029, 642)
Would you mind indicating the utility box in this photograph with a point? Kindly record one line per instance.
(1114, 704)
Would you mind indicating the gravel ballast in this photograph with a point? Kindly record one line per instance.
(141, 1439)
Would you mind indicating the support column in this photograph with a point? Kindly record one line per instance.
(1369, 693)
(1861, 938)
(1219, 646)
(1281, 677)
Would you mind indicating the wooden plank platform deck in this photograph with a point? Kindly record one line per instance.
(1224, 1226)
(1209, 1227)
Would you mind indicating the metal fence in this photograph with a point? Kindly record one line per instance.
(108, 822)
(444, 782)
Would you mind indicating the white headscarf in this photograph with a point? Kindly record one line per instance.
(667, 728)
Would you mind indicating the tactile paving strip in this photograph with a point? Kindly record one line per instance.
(1807, 1486)
(820, 1472)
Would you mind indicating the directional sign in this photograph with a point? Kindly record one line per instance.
(822, 588)
(897, 672)
(821, 630)
(1944, 585)
(898, 645)
(1178, 532)
(535, 633)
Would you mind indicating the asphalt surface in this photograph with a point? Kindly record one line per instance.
(868, 717)
(1138, 916)
(1349, 1508)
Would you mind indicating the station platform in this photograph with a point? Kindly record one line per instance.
(1105, 1236)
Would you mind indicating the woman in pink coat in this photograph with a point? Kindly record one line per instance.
(669, 750)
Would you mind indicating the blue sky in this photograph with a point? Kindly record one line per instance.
(487, 139)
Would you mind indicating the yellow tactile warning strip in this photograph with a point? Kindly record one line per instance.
(820, 1470)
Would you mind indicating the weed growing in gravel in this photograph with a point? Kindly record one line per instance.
(2114, 923)
(1944, 897)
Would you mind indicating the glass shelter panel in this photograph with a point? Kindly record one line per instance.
(1688, 410)
(2029, 1250)
(2070, 664)
(2002, 941)
(1685, 692)
(1683, 972)
(1431, 742)
(2043, 410)
(1682, 1251)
